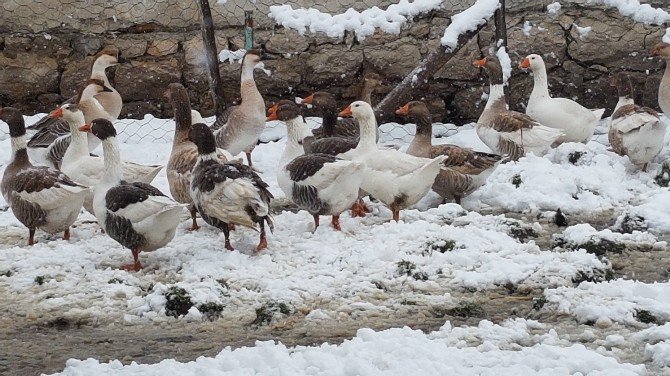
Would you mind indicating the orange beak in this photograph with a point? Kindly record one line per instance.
(656, 51)
(308, 99)
(525, 63)
(404, 110)
(480, 63)
(272, 113)
(346, 112)
(57, 113)
(85, 128)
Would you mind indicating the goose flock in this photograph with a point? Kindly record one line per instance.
(325, 171)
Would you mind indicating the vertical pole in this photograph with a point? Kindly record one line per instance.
(248, 29)
(211, 57)
(501, 27)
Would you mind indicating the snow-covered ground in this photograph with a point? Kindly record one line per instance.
(435, 255)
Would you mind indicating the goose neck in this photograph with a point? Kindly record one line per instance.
(294, 137)
(329, 120)
(623, 101)
(112, 160)
(368, 130)
(540, 83)
(496, 101)
(19, 151)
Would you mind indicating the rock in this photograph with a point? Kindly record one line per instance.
(136, 110)
(143, 80)
(130, 47)
(75, 74)
(460, 66)
(334, 64)
(25, 75)
(394, 59)
(286, 41)
(543, 38)
(86, 44)
(286, 76)
(49, 99)
(162, 47)
(194, 50)
(468, 103)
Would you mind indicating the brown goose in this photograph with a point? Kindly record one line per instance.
(184, 153)
(635, 131)
(110, 100)
(227, 193)
(136, 215)
(49, 144)
(321, 184)
(40, 197)
(239, 129)
(468, 169)
(663, 50)
(509, 132)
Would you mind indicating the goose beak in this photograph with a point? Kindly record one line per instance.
(346, 112)
(525, 63)
(404, 110)
(480, 63)
(85, 128)
(309, 99)
(656, 51)
(272, 113)
(57, 113)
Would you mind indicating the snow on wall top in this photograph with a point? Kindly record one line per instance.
(468, 20)
(644, 13)
(363, 24)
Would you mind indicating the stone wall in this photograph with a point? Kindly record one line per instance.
(43, 60)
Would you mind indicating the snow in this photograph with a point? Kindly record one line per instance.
(553, 8)
(516, 347)
(666, 37)
(231, 56)
(644, 13)
(618, 300)
(527, 27)
(505, 62)
(363, 24)
(584, 233)
(657, 343)
(468, 20)
(583, 31)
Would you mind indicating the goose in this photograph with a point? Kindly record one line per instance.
(239, 129)
(324, 103)
(184, 153)
(468, 169)
(110, 100)
(635, 131)
(509, 132)
(576, 121)
(85, 169)
(40, 197)
(396, 179)
(227, 193)
(49, 144)
(663, 50)
(136, 215)
(321, 184)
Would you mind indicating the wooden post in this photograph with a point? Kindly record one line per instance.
(211, 57)
(419, 76)
(248, 29)
(501, 26)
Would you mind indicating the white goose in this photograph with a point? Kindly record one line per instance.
(576, 121)
(321, 184)
(137, 215)
(509, 132)
(86, 169)
(40, 197)
(662, 50)
(397, 179)
(635, 131)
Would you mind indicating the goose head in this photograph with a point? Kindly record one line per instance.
(92, 87)
(178, 96)
(203, 138)
(251, 58)
(70, 113)
(14, 119)
(662, 50)
(360, 110)
(196, 117)
(106, 60)
(321, 101)
(622, 83)
(100, 128)
(492, 67)
(532, 61)
(372, 79)
(284, 110)
(419, 113)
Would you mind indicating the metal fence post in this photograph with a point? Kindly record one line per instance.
(211, 57)
(501, 26)
(248, 29)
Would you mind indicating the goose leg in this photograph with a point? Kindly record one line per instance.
(644, 167)
(226, 234)
(316, 221)
(194, 226)
(396, 213)
(31, 236)
(457, 199)
(66, 234)
(231, 227)
(136, 266)
(336, 222)
(248, 153)
(263, 243)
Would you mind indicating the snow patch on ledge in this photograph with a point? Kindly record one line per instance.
(468, 20)
(363, 24)
(666, 37)
(644, 13)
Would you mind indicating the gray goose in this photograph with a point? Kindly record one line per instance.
(663, 51)
(40, 197)
(240, 127)
(635, 131)
(55, 139)
(508, 132)
(136, 215)
(227, 193)
(467, 169)
(184, 153)
(321, 184)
